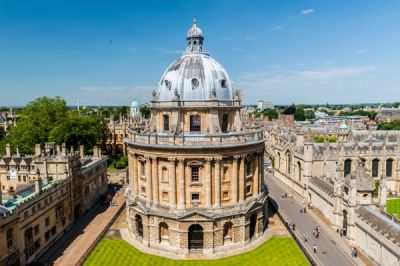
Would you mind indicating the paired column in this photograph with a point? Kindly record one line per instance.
(172, 182)
(256, 176)
(135, 184)
(154, 179)
(208, 182)
(149, 194)
(181, 183)
(235, 178)
(217, 200)
(241, 179)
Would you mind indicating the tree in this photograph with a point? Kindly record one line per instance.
(394, 125)
(48, 119)
(271, 113)
(299, 114)
(290, 110)
(36, 120)
(145, 111)
(309, 114)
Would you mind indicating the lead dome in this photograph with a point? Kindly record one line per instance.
(195, 75)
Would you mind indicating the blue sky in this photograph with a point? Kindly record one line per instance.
(111, 52)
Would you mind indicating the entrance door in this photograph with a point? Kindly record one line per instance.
(195, 237)
(253, 223)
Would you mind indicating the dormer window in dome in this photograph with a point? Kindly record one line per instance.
(223, 83)
(195, 83)
(168, 84)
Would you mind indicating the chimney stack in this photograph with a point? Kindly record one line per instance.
(38, 182)
(63, 149)
(95, 151)
(38, 150)
(8, 149)
(81, 152)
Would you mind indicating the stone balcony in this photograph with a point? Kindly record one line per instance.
(198, 140)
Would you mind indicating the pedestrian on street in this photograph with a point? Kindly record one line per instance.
(317, 235)
(305, 237)
(315, 249)
(353, 252)
(305, 210)
(341, 232)
(293, 226)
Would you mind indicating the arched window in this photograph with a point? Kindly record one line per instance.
(224, 123)
(164, 233)
(389, 167)
(166, 122)
(228, 233)
(195, 123)
(139, 225)
(142, 168)
(164, 174)
(375, 167)
(288, 162)
(279, 161)
(347, 167)
(299, 171)
(248, 167)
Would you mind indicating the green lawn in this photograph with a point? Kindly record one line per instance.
(276, 251)
(393, 206)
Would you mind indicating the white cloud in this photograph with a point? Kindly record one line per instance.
(263, 79)
(307, 11)
(274, 28)
(112, 95)
(361, 51)
(166, 51)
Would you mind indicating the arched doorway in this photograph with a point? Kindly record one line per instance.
(164, 233)
(196, 237)
(253, 223)
(299, 171)
(227, 235)
(139, 225)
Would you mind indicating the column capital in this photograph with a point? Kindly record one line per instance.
(217, 159)
(181, 160)
(208, 160)
(172, 160)
(154, 158)
(236, 157)
(147, 157)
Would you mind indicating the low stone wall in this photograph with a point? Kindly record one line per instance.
(378, 238)
(321, 197)
(289, 181)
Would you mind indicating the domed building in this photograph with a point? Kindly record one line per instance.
(196, 172)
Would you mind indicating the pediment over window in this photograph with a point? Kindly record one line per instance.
(195, 216)
(195, 163)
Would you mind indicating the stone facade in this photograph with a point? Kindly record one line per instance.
(42, 195)
(196, 178)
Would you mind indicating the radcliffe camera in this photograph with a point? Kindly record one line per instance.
(199, 133)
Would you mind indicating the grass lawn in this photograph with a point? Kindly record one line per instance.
(393, 206)
(276, 251)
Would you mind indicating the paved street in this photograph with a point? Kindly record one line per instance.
(329, 252)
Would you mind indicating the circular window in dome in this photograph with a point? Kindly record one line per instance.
(195, 83)
(223, 83)
(167, 84)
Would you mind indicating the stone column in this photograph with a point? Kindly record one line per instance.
(208, 182)
(217, 200)
(154, 179)
(135, 183)
(172, 183)
(149, 194)
(181, 183)
(262, 172)
(235, 178)
(256, 176)
(241, 179)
